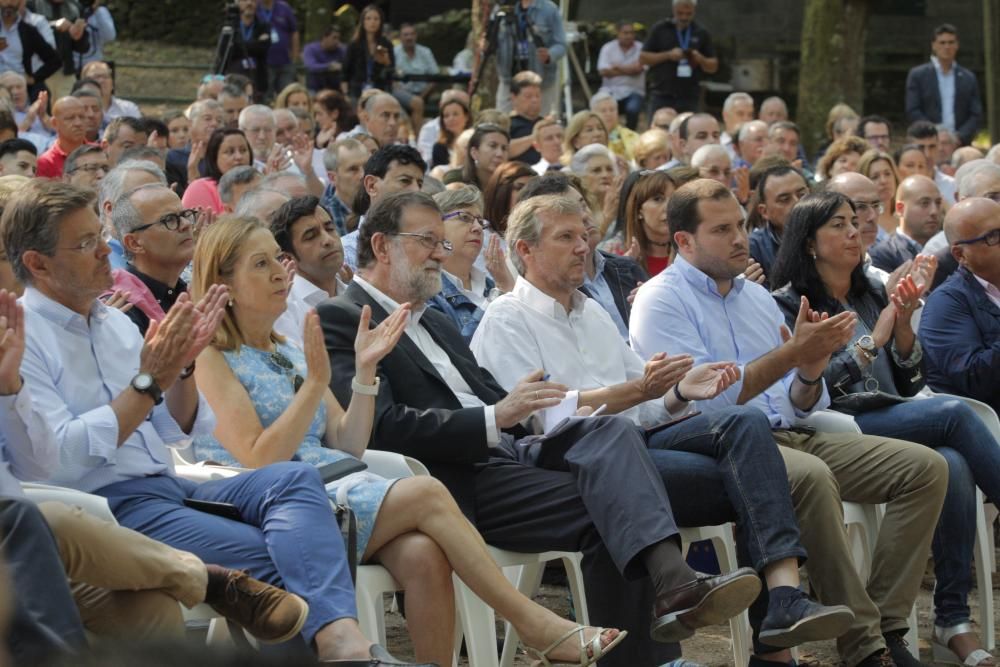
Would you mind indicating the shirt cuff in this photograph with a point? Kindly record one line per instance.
(492, 430)
(821, 403)
(101, 425)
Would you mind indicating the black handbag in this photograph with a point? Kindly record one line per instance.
(865, 401)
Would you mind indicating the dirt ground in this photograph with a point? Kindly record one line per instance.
(711, 646)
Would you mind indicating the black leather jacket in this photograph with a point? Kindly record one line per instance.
(843, 372)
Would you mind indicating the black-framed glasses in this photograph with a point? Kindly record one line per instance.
(467, 218)
(286, 367)
(429, 241)
(991, 237)
(90, 168)
(172, 221)
(864, 206)
(90, 243)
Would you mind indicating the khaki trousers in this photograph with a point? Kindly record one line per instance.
(826, 468)
(125, 584)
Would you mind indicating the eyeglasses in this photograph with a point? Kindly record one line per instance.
(91, 242)
(995, 196)
(865, 206)
(468, 218)
(991, 237)
(172, 221)
(429, 241)
(286, 367)
(91, 168)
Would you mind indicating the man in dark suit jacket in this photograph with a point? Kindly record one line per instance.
(926, 83)
(622, 275)
(523, 493)
(32, 44)
(960, 326)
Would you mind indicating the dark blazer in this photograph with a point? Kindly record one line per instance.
(33, 44)
(356, 67)
(416, 412)
(923, 99)
(889, 254)
(960, 333)
(250, 57)
(764, 247)
(843, 370)
(622, 275)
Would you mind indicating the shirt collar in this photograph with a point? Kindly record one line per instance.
(544, 304)
(937, 66)
(599, 262)
(387, 302)
(991, 289)
(59, 314)
(161, 291)
(701, 280)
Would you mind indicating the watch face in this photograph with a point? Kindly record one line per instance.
(143, 381)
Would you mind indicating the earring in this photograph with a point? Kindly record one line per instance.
(231, 302)
(814, 256)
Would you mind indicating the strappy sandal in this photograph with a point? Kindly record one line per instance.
(943, 654)
(595, 653)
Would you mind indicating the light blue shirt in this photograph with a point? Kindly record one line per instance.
(422, 62)
(350, 243)
(75, 367)
(946, 87)
(680, 311)
(601, 293)
(27, 445)
(10, 57)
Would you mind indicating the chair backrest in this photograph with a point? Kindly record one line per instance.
(91, 504)
(387, 464)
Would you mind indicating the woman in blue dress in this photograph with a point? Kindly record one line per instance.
(273, 403)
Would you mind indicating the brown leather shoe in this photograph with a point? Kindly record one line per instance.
(708, 600)
(266, 612)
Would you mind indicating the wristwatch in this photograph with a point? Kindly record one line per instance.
(145, 384)
(866, 344)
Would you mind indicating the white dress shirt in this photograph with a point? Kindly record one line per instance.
(75, 367)
(621, 86)
(119, 108)
(303, 297)
(438, 358)
(28, 448)
(427, 137)
(526, 329)
(946, 185)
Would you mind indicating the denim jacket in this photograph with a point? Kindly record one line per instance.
(453, 302)
(544, 16)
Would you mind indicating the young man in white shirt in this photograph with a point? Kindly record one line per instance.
(623, 75)
(306, 233)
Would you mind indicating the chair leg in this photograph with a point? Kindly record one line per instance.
(478, 625)
(984, 579)
(739, 625)
(574, 572)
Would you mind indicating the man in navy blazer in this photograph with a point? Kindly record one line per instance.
(960, 326)
(942, 91)
(920, 208)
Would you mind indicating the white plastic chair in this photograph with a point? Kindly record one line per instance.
(97, 506)
(722, 541)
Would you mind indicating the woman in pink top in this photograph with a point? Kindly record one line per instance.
(227, 148)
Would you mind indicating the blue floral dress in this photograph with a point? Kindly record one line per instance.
(271, 387)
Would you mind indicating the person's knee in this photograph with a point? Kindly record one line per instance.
(425, 562)
(929, 470)
(428, 494)
(961, 482)
(811, 481)
(291, 474)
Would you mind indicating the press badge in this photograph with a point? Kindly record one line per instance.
(684, 69)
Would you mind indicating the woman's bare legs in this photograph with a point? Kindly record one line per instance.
(422, 504)
(423, 571)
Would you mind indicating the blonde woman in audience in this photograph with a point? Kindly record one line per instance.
(843, 155)
(880, 168)
(278, 406)
(293, 96)
(596, 166)
(180, 129)
(653, 149)
(583, 129)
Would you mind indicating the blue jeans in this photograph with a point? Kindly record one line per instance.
(953, 429)
(631, 106)
(288, 535)
(725, 466)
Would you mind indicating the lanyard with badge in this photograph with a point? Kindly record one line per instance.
(267, 14)
(684, 70)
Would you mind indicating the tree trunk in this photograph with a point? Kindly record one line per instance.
(487, 88)
(832, 63)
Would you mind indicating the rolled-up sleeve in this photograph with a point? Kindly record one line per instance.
(29, 442)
